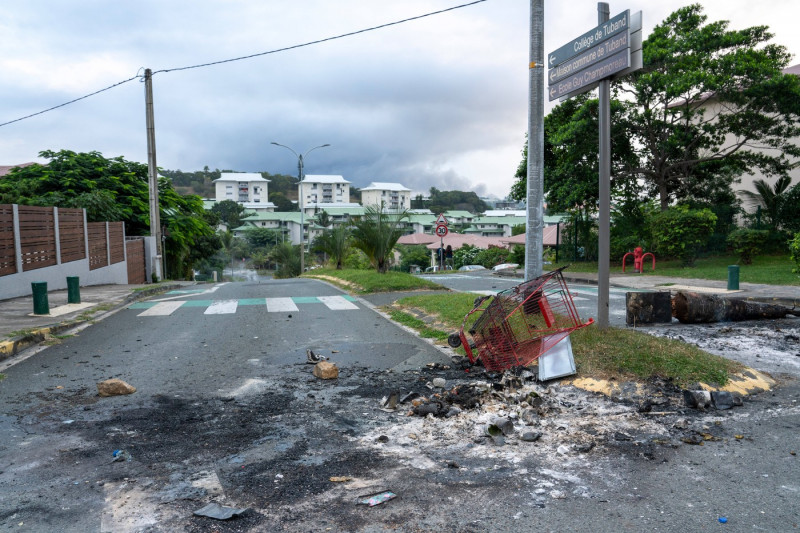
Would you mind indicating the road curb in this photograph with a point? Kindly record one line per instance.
(11, 347)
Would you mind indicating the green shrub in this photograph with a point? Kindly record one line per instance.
(794, 248)
(492, 256)
(466, 255)
(680, 231)
(747, 243)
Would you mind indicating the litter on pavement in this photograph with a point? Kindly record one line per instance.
(219, 512)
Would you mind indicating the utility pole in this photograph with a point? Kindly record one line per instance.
(152, 173)
(300, 177)
(535, 203)
(604, 225)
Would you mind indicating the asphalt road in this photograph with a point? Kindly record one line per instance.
(226, 410)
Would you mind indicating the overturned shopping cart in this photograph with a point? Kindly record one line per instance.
(520, 324)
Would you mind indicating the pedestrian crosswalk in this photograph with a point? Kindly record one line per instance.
(227, 307)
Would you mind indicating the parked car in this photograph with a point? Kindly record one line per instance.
(472, 267)
(504, 266)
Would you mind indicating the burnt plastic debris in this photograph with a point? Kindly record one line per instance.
(376, 499)
(219, 512)
(120, 455)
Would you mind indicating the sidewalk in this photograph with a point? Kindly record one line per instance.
(20, 328)
(788, 296)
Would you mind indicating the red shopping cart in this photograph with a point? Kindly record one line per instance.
(518, 325)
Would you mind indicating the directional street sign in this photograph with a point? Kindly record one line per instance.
(585, 78)
(591, 38)
(590, 57)
(441, 230)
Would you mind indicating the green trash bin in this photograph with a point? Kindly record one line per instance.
(733, 277)
(40, 303)
(73, 290)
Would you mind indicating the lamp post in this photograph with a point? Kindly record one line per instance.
(300, 198)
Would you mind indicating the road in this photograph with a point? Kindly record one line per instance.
(226, 410)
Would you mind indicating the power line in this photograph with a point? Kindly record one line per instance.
(275, 51)
(70, 102)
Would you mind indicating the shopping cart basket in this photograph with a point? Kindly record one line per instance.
(519, 324)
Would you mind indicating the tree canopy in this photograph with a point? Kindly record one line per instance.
(710, 104)
(112, 190)
(441, 201)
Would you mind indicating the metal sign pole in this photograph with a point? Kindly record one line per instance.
(604, 229)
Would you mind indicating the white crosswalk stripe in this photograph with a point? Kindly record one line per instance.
(337, 303)
(281, 305)
(222, 307)
(162, 308)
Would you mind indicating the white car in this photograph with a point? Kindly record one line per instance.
(504, 266)
(472, 267)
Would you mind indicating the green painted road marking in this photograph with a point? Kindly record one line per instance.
(253, 301)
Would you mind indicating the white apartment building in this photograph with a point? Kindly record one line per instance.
(246, 188)
(393, 195)
(323, 190)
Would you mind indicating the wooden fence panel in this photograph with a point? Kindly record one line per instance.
(137, 271)
(37, 237)
(8, 254)
(98, 247)
(71, 234)
(116, 241)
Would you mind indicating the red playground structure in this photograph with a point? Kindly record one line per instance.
(638, 260)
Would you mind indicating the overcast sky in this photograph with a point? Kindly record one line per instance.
(441, 101)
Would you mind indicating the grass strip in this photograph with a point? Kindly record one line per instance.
(766, 269)
(369, 281)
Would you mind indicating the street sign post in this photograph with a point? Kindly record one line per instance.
(612, 49)
(441, 230)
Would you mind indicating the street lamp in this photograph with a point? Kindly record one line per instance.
(300, 198)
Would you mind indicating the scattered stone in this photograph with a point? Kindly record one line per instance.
(558, 494)
(585, 448)
(498, 440)
(722, 399)
(563, 450)
(326, 370)
(618, 435)
(340, 479)
(452, 412)
(439, 382)
(697, 399)
(693, 439)
(504, 425)
(531, 436)
(114, 387)
(383, 439)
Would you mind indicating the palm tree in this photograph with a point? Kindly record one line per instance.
(768, 198)
(334, 242)
(287, 256)
(376, 232)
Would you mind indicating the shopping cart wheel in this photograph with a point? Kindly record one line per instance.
(454, 340)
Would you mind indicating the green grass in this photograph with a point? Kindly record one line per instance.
(767, 269)
(422, 328)
(368, 281)
(623, 354)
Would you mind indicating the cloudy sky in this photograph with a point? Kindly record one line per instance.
(440, 101)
